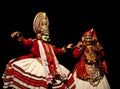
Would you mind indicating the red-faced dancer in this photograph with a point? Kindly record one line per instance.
(91, 69)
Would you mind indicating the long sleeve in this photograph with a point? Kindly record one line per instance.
(77, 52)
(59, 51)
(104, 63)
(27, 42)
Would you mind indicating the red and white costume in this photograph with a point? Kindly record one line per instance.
(35, 70)
(38, 69)
(89, 72)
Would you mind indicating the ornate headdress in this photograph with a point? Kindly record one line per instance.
(37, 22)
(90, 32)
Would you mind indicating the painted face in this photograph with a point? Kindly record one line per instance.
(44, 30)
(45, 37)
(88, 38)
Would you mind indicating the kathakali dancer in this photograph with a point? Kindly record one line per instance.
(40, 69)
(91, 69)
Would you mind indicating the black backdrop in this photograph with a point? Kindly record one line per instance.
(68, 20)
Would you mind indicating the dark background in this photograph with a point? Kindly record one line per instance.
(68, 20)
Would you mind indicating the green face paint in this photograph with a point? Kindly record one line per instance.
(45, 38)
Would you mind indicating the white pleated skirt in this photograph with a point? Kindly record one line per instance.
(82, 84)
(29, 73)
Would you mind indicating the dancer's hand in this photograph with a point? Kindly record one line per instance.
(15, 34)
(69, 46)
(79, 44)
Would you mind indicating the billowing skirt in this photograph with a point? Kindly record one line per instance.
(29, 73)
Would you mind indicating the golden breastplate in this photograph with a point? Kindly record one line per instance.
(90, 56)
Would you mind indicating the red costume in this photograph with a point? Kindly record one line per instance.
(40, 69)
(91, 68)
